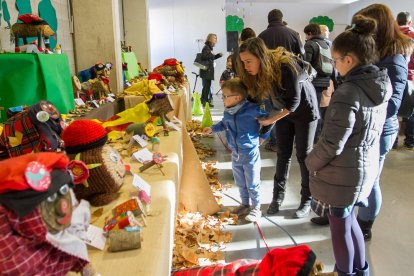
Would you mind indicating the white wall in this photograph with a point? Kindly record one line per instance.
(395, 6)
(297, 15)
(174, 27)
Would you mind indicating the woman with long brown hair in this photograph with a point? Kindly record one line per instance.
(281, 78)
(393, 49)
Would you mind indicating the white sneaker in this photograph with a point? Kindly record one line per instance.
(254, 215)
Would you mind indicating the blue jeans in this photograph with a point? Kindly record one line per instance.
(375, 198)
(246, 172)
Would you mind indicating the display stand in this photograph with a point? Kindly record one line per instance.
(26, 79)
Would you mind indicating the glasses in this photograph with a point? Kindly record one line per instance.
(333, 60)
(223, 97)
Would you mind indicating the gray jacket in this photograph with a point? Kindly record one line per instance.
(344, 163)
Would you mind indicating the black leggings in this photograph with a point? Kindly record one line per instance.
(206, 92)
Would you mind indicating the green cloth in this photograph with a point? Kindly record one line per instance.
(131, 60)
(26, 79)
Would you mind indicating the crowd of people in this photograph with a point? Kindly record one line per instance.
(336, 102)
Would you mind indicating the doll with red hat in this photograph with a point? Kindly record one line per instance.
(36, 210)
(86, 140)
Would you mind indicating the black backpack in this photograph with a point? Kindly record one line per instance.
(324, 66)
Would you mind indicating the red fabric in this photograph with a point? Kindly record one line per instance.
(155, 76)
(243, 267)
(82, 132)
(284, 262)
(12, 170)
(408, 30)
(31, 138)
(170, 62)
(25, 251)
(29, 18)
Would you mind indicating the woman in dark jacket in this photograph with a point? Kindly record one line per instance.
(281, 78)
(341, 165)
(208, 75)
(393, 49)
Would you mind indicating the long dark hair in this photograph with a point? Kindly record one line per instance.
(270, 71)
(358, 39)
(388, 37)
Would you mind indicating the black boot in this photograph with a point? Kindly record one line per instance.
(304, 209)
(366, 227)
(320, 220)
(278, 197)
(364, 271)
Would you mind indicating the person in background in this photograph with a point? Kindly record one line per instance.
(340, 165)
(208, 75)
(393, 49)
(321, 82)
(245, 34)
(278, 34)
(228, 73)
(404, 20)
(281, 78)
(242, 133)
(325, 34)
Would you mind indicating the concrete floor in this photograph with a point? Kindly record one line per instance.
(388, 253)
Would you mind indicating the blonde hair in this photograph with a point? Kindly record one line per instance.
(270, 71)
(323, 28)
(236, 86)
(210, 37)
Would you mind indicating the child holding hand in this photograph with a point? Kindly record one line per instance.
(244, 137)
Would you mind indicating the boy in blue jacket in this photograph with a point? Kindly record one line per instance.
(244, 137)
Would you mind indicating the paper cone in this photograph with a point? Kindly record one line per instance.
(207, 121)
(197, 107)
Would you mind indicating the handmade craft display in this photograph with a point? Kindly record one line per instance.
(172, 71)
(32, 26)
(37, 128)
(37, 233)
(95, 81)
(160, 105)
(85, 140)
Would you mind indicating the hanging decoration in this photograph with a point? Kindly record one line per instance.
(234, 23)
(323, 20)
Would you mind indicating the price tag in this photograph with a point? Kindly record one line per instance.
(171, 88)
(79, 101)
(143, 155)
(141, 184)
(174, 126)
(111, 95)
(95, 104)
(143, 143)
(95, 237)
(110, 99)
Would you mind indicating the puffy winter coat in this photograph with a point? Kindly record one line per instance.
(242, 128)
(344, 163)
(397, 69)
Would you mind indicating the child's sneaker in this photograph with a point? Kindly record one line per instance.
(254, 215)
(241, 210)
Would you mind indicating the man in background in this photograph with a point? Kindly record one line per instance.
(278, 34)
(404, 20)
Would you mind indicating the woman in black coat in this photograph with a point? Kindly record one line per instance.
(208, 75)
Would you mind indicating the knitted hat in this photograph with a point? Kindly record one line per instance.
(87, 138)
(27, 180)
(82, 135)
(292, 261)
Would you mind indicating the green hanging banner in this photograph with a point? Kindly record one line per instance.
(323, 20)
(234, 23)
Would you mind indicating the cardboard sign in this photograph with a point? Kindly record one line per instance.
(110, 99)
(141, 184)
(143, 143)
(95, 237)
(79, 101)
(143, 155)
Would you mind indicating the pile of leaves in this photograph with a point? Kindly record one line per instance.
(195, 131)
(199, 239)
